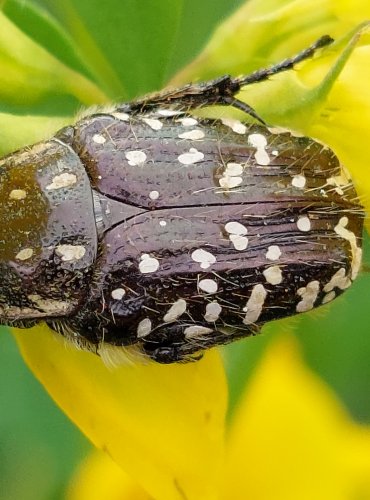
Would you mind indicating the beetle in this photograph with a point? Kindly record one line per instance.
(144, 229)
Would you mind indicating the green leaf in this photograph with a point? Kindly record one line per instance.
(22, 130)
(41, 26)
(51, 50)
(204, 16)
(128, 47)
(124, 45)
(29, 73)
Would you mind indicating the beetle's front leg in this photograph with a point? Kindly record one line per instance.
(222, 91)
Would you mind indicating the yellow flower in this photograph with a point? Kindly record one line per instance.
(290, 439)
(163, 424)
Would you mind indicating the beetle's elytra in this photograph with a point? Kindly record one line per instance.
(145, 226)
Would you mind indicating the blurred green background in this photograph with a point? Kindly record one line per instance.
(127, 48)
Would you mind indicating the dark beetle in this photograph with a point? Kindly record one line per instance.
(144, 226)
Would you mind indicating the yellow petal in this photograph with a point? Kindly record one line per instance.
(27, 129)
(261, 33)
(291, 439)
(99, 478)
(343, 121)
(162, 424)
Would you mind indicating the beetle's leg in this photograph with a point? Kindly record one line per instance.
(285, 65)
(263, 74)
(222, 91)
(243, 106)
(171, 347)
(173, 354)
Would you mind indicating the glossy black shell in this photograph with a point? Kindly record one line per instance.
(172, 233)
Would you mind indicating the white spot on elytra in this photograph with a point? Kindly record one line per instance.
(154, 195)
(120, 115)
(205, 259)
(208, 285)
(304, 224)
(62, 181)
(235, 228)
(237, 234)
(187, 121)
(17, 194)
(148, 264)
(329, 297)
(231, 176)
(233, 169)
(24, 254)
(193, 156)
(135, 157)
(162, 223)
(273, 275)
(254, 304)
(169, 112)
(338, 280)
(153, 123)
(356, 251)
(235, 125)
(239, 242)
(308, 295)
(99, 139)
(299, 181)
(213, 311)
(69, 253)
(193, 135)
(339, 180)
(144, 327)
(273, 252)
(196, 331)
(118, 293)
(259, 142)
(175, 311)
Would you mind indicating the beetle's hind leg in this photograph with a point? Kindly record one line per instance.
(173, 354)
(171, 346)
(221, 91)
